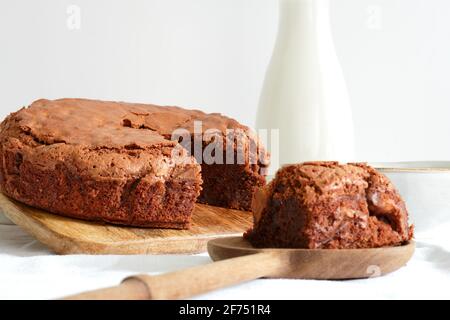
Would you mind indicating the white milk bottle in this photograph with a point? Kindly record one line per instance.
(304, 94)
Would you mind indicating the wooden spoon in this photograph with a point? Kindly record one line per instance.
(241, 262)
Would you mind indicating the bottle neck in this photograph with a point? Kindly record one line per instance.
(304, 16)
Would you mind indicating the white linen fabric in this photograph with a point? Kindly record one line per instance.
(28, 270)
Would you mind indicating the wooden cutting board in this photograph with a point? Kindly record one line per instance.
(72, 236)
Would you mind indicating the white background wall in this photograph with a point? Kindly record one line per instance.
(212, 54)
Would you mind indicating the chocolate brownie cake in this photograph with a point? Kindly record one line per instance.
(118, 163)
(326, 205)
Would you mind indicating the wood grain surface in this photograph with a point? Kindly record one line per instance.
(322, 264)
(71, 236)
(236, 261)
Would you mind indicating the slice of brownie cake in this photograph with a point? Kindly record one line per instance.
(233, 161)
(117, 162)
(325, 205)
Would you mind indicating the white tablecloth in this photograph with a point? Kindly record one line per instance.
(28, 270)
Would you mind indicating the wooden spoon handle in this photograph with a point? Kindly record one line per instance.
(193, 281)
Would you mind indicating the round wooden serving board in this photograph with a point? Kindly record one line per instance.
(71, 236)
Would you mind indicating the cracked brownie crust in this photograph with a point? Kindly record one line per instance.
(326, 205)
(111, 162)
